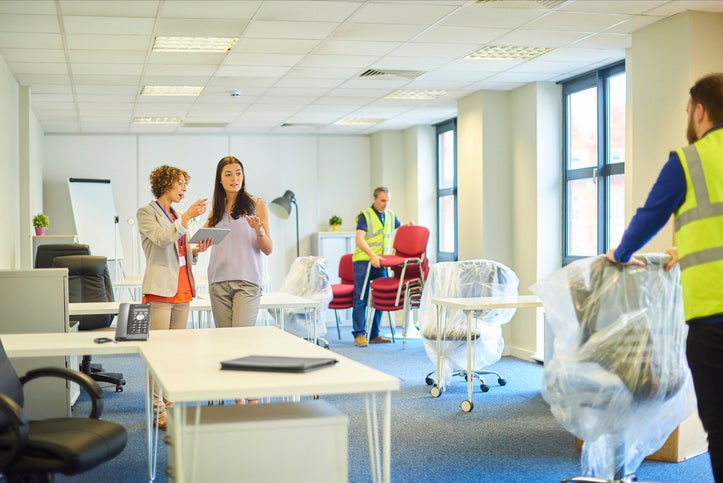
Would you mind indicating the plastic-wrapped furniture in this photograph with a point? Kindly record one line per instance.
(444, 332)
(618, 377)
(308, 278)
(343, 292)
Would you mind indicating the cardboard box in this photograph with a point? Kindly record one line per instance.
(688, 440)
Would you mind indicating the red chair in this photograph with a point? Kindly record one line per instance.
(343, 293)
(409, 264)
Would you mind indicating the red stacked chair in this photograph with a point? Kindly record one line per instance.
(403, 290)
(343, 293)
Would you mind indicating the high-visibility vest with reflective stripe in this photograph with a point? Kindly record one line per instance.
(699, 227)
(378, 237)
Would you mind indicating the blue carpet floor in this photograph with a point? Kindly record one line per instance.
(509, 437)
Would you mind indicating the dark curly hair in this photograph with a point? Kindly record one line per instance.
(708, 91)
(164, 177)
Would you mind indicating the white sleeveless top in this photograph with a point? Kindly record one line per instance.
(237, 256)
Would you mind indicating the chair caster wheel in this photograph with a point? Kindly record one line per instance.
(429, 380)
(467, 405)
(119, 388)
(484, 387)
(436, 391)
(502, 382)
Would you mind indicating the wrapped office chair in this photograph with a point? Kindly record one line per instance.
(89, 281)
(618, 378)
(35, 450)
(308, 278)
(343, 292)
(447, 339)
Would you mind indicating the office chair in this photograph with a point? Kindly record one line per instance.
(35, 450)
(308, 278)
(446, 339)
(89, 281)
(343, 292)
(618, 377)
(46, 253)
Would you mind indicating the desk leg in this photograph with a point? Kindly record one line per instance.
(380, 463)
(151, 429)
(470, 368)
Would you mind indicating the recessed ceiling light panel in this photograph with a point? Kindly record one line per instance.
(358, 121)
(507, 52)
(158, 120)
(423, 94)
(194, 44)
(171, 90)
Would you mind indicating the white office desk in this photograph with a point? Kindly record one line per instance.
(186, 365)
(468, 305)
(274, 301)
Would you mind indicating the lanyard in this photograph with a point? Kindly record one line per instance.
(182, 240)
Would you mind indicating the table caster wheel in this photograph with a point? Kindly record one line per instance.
(436, 391)
(467, 405)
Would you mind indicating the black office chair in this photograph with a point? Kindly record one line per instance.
(89, 281)
(46, 253)
(35, 450)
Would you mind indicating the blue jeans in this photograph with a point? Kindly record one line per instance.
(358, 312)
(704, 349)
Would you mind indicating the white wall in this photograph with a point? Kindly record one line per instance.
(326, 173)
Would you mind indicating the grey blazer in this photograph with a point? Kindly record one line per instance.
(158, 238)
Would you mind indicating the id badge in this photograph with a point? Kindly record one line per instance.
(182, 260)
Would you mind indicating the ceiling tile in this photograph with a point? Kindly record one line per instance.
(107, 69)
(605, 41)
(576, 22)
(275, 46)
(33, 55)
(270, 29)
(318, 11)
(192, 27)
(481, 16)
(29, 23)
(108, 42)
(377, 32)
(540, 38)
(109, 8)
(460, 35)
(37, 7)
(19, 40)
(161, 70)
(210, 9)
(400, 13)
(284, 60)
(108, 25)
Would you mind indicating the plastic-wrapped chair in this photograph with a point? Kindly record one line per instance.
(308, 278)
(445, 338)
(618, 377)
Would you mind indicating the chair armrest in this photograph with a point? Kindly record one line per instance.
(19, 426)
(91, 387)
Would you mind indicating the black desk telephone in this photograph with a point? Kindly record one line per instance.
(133, 321)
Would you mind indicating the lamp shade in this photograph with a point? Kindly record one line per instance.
(281, 206)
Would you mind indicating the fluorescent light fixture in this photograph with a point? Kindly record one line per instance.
(171, 90)
(194, 44)
(158, 120)
(424, 94)
(358, 121)
(507, 52)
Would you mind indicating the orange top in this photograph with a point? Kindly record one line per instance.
(183, 294)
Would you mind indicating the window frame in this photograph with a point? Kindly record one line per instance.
(604, 169)
(440, 128)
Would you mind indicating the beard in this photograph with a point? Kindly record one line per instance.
(690, 132)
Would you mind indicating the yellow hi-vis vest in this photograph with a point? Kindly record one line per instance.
(379, 237)
(699, 227)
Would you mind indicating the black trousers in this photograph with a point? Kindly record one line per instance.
(705, 358)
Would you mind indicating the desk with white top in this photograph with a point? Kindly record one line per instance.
(186, 366)
(468, 305)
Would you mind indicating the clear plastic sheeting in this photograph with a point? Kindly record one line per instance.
(618, 378)
(469, 278)
(307, 278)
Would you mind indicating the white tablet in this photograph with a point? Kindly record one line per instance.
(217, 234)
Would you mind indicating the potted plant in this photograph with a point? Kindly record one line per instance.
(335, 222)
(40, 222)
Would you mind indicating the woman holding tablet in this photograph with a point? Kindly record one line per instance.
(234, 269)
(168, 283)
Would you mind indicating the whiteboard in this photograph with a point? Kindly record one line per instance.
(95, 216)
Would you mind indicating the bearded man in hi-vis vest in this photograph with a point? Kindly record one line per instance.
(690, 186)
(374, 234)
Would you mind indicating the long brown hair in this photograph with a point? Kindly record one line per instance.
(244, 204)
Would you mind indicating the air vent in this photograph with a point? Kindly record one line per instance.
(207, 125)
(386, 73)
(527, 4)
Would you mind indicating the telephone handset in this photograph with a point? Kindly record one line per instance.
(133, 321)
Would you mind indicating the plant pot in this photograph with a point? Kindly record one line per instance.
(335, 227)
(40, 230)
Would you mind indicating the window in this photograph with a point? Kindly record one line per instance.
(447, 190)
(594, 162)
